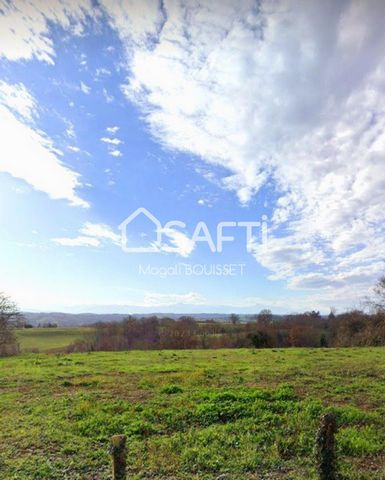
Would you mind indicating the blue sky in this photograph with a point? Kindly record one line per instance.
(210, 112)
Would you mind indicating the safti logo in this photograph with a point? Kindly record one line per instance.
(201, 233)
(157, 242)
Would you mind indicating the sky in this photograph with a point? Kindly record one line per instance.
(197, 113)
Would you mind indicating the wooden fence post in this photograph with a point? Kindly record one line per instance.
(118, 452)
(326, 448)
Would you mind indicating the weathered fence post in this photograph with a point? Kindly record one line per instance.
(119, 453)
(326, 448)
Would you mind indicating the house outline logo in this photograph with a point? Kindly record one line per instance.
(201, 233)
(154, 247)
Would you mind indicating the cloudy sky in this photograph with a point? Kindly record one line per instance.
(199, 111)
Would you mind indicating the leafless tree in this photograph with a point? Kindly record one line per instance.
(379, 292)
(265, 317)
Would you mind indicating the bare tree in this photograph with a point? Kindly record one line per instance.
(265, 317)
(379, 292)
(10, 318)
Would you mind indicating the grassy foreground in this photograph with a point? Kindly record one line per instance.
(50, 339)
(191, 414)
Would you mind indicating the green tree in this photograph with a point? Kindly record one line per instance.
(323, 341)
(10, 317)
(260, 339)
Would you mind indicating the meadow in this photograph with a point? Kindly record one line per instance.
(50, 339)
(191, 414)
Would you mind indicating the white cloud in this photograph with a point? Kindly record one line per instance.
(135, 18)
(80, 241)
(90, 235)
(71, 148)
(100, 231)
(28, 154)
(112, 130)
(18, 99)
(83, 60)
(102, 72)
(284, 91)
(115, 153)
(206, 202)
(24, 26)
(179, 242)
(111, 141)
(70, 131)
(361, 275)
(286, 257)
(85, 88)
(109, 98)
(163, 299)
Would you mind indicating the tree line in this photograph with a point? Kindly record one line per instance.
(308, 329)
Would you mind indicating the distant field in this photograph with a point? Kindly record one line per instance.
(249, 414)
(50, 339)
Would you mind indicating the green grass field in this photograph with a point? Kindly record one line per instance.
(50, 339)
(249, 414)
